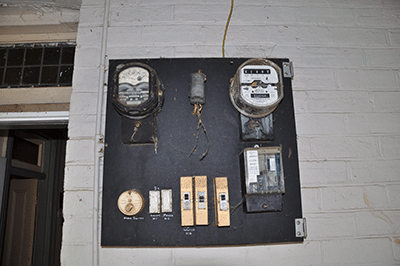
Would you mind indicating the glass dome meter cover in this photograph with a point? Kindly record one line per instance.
(137, 92)
(256, 89)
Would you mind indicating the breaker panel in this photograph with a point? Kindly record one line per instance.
(200, 152)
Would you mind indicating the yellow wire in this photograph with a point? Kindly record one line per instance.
(226, 30)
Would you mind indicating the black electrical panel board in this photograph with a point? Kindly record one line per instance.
(133, 169)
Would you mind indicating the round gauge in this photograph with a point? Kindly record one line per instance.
(133, 86)
(134, 75)
(130, 202)
(137, 92)
(256, 88)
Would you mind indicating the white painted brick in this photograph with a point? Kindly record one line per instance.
(81, 126)
(332, 57)
(313, 78)
(355, 3)
(315, 124)
(310, 198)
(322, 173)
(394, 199)
(377, 222)
(76, 254)
(92, 3)
(378, 17)
(274, 34)
(83, 103)
(374, 171)
(200, 50)
(201, 13)
(350, 79)
(349, 198)
(300, 102)
(86, 79)
(298, 35)
(390, 146)
(308, 253)
(326, 16)
(262, 50)
(396, 247)
(358, 36)
(78, 203)
(386, 101)
(338, 101)
(77, 230)
(264, 14)
(386, 58)
(145, 51)
(126, 36)
(304, 148)
(177, 34)
(362, 251)
(394, 36)
(78, 177)
(123, 15)
(358, 123)
(210, 256)
(387, 123)
(89, 36)
(91, 16)
(345, 147)
(80, 151)
(390, 3)
(130, 3)
(142, 256)
(288, 51)
(88, 57)
(332, 225)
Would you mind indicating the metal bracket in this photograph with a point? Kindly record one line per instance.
(300, 227)
(288, 69)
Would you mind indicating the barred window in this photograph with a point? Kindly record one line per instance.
(36, 65)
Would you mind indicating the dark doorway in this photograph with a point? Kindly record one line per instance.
(31, 188)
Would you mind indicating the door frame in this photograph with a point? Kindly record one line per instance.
(48, 231)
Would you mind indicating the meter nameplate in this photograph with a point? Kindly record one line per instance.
(200, 184)
(257, 85)
(166, 200)
(221, 199)
(252, 165)
(187, 213)
(130, 202)
(154, 201)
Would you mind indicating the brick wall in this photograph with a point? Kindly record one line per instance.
(346, 56)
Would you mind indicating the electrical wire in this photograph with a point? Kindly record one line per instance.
(197, 111)
(226, 30)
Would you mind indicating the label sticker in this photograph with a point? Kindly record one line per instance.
(272, 164)
(253, 169)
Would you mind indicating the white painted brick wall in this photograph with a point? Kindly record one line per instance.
(346, 55)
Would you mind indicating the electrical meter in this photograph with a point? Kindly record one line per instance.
(137, 92)
(256, 89)
(264, 179)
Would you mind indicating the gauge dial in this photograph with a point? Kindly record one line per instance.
(257, 88)
(258, 85)
(134, 76)
(130, 202)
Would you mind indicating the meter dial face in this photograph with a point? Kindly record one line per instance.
(133, 86)
(258, 85)
(130, 202)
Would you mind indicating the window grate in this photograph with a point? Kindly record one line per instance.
(36, 65)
